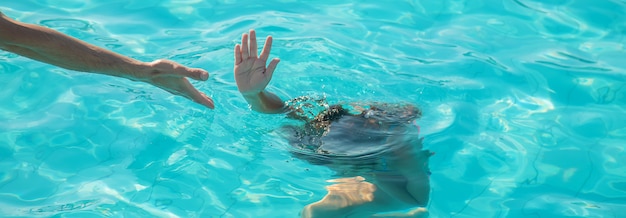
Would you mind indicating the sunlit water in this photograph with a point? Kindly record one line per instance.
(523, 103)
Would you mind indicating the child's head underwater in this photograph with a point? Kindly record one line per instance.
(359, 135)
(375, 115)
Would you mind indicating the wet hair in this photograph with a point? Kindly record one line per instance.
(347, 123)
(323, 120)
(352, 138)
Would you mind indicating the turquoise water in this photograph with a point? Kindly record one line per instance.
(523, 102)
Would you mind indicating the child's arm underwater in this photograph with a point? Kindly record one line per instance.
(252, 76)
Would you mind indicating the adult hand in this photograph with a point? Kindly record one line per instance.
(251, 74)
(171, 76)
(53, 47)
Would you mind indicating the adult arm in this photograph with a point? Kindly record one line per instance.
(252, 76)
(53, 47)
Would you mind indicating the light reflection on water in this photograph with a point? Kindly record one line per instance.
(523, 104)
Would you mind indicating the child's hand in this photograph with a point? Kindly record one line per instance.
(250, 72)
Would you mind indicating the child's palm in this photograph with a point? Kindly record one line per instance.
(250, 72)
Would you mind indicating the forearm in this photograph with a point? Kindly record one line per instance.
(265, 102)
(50, 46)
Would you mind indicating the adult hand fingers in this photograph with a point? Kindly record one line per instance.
(195, 73)
(205, 100)
(182, 87)
(167, 67)
(197, 96)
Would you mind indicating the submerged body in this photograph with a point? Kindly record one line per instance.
(375, 151)
(374, 148)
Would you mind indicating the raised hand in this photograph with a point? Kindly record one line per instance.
(250, 72)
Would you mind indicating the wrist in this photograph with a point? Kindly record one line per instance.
(264, 101)
(252, 94)
(135, 70)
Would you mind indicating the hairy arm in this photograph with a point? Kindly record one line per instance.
(53, 47)
(50, 46)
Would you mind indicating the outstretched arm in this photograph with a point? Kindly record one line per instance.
(252, 76)
(50, 46)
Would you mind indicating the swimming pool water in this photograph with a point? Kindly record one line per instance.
(523, 102)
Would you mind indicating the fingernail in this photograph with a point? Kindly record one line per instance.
(205, 76)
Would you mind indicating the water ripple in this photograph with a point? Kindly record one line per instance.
(68, 23)
(523, 103)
